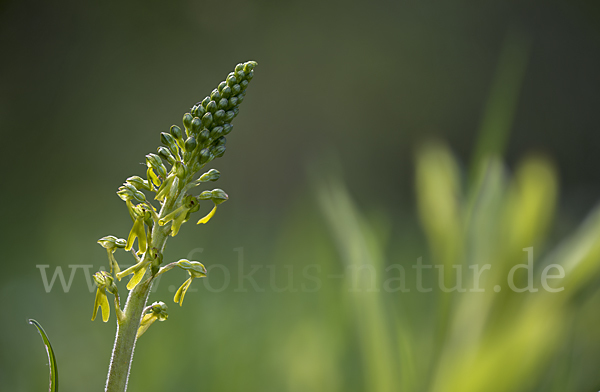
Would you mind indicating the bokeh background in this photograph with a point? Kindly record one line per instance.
(373, 133)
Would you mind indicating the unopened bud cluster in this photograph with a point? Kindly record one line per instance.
(207, 124)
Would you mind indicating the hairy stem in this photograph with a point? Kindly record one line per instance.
(122, 355)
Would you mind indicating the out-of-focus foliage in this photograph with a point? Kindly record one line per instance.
(488, 337)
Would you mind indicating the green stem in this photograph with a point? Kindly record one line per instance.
(122, 355)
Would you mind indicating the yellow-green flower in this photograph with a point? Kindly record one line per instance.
(196, 270)
(111, 243)
(139, 270)
(217, 196)
(181, 214)
(171, 183)
(158, 311)
(138, 214)
(104, 282)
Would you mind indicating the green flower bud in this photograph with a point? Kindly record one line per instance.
(249, 75)
(211, 107)
(227, 127)
(100, 279)
(187, 120)
(126, 191)
(206, 195)
(218, 151)
(240, 75)
(190, 143)
(125, 194)
(205, 156)
(216, 132)
(240, 97)
(148, 218)
(236, 89)
(130, 187)
(180, 170)
(137, 212)
(219, 196)
(193, 267)
(200, 111)
(220, 141)
(194, 111)
(164, 153)
(239, 67)
(249, 66)
(109, 242)
(207, 119)
(211, 175)
(204, 136)
(215, 95)
(231, 81)
(139, 197)
(105, 281)
(232, 102)
(221, 86)
(159, 309)
(244, 84)
(139, 182)
(223, 103)
(169, 141)
(154, 161)
(226, 92)
(196, 124)
(176, 132)
(205, 102)
(219, 115)
(229, 116)
(133, 193)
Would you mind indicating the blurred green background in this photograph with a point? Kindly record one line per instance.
(330, 167)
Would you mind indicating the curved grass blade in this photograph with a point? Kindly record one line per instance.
(51, 359)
